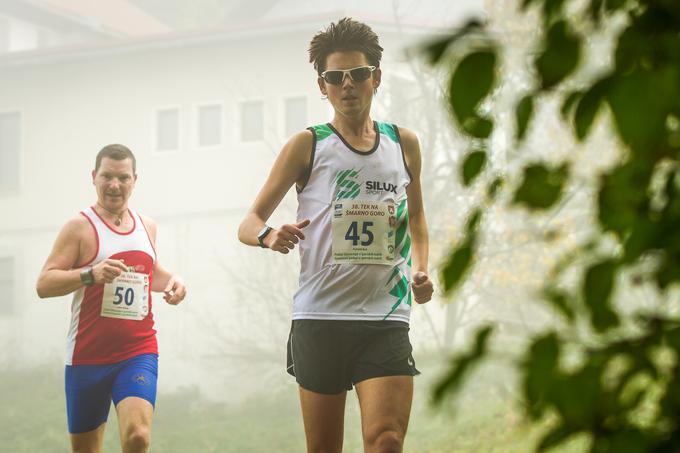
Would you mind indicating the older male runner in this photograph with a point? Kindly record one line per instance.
(106, 257)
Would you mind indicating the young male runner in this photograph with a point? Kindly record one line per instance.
(106, 256)
(360, 225)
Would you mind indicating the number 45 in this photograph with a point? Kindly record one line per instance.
(353, 233)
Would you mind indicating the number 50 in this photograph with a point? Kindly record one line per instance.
(128, 297)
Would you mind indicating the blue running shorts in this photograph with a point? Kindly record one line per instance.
(91, 388)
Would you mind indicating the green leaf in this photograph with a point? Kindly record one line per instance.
(460, 258)
(540, 368)
(493, 188)
(569, 102)
(644, 235)
(597, 288)
(523, 112)
(554, 437)
(623, 196)
(653, 92)
(595, 10)
(560, 56)
(478, 127)
(473, 222)
(551, 9)
(471, 82)
(587, 108)
(461, 365)
(541, 187)
(473, 165)
(631, 440)
(455, 267)
(614, 5)
(560, 301)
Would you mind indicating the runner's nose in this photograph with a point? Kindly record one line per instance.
(347, 80)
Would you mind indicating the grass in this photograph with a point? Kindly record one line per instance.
(33, 419)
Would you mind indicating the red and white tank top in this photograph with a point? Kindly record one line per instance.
(92, 338)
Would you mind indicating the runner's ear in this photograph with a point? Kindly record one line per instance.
(322, 85)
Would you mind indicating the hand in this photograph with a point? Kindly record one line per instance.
(106, 271)
(283, 239)
(174, 291)
(422, 287)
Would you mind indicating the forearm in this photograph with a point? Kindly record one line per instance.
(419, 243)
(56, 282)
(161, 277)
(249, 229)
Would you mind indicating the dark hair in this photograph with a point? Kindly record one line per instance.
(347, 35)
(115, 152)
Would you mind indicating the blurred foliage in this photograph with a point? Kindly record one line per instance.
(623, 392)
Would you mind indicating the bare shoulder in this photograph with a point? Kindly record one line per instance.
(75, 243)
(293, 161)
(411, 148)
(148, 221)
(149, 224)
(409, 139)
(300, 144)
(76, 227)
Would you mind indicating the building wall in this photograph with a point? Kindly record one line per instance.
(70, 108)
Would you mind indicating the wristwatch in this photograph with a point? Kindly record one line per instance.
(263, 234)
(86, 276)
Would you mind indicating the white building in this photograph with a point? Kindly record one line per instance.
(205, 113)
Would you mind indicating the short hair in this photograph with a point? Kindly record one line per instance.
(345, 36)
(115, 152)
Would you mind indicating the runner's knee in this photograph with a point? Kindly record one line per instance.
(137, 439)
(384, 441)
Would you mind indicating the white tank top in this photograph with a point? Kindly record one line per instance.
(328, 290)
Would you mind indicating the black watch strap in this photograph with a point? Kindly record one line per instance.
(86, 276)
(263, 234)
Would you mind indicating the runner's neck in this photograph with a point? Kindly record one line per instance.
(351, 128)
(117, 218)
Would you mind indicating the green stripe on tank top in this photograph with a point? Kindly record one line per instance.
(388, 129)
(322, 131)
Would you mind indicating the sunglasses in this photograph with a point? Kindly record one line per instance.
(336, 76)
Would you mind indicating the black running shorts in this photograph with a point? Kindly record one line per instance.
(329, 356)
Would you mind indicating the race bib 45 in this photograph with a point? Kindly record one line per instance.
(363, 232)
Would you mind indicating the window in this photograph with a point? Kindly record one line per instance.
(6, 286)
(209, 128)
(4, 35)
(10, 151)
(167, 129)
(252, 121)
(296, 115)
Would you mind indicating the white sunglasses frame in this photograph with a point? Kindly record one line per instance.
(347, 72)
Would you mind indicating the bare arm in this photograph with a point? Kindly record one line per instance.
(163, 280)
(290, 167)
(422, 285)
(59, 276)
(75, 243)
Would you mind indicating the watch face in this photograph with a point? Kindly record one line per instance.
(86, 277)
(262, 234)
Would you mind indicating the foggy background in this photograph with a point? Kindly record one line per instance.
(205, 93)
